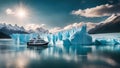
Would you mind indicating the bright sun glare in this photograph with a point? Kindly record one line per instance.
(21, 13)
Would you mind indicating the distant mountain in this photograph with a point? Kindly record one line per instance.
(110, 25)
(10, 29)
(3, 35)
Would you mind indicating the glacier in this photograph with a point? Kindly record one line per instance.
(74, 36)
(81, 37)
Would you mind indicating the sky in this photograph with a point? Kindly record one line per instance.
(56, 13)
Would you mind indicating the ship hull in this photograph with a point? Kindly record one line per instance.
(31, 44)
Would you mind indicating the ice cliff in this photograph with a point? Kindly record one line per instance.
(75, 36)
(81, 37)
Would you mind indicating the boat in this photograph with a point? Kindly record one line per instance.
(37, 42)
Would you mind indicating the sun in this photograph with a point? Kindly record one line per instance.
(21, 13)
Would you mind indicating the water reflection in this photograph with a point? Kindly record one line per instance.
(59, 57)
(67, 53)
(112, 52)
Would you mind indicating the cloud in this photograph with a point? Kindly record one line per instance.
(34, 26)
(68, 27)
(58, 29)
(99, 11)
(74, 25)
(10, 11)
(55, 30)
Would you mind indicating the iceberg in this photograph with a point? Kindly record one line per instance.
(81, 37)
(106, 42)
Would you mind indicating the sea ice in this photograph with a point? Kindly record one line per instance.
(106, 42)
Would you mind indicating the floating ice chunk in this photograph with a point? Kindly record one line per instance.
(106, 42)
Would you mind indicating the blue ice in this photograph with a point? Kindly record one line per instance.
(75, 36)
(105, 41)
(81, 37)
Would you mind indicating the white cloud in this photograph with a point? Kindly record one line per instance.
(98, 11)
(34, 26)
(19, 12)
(91, 25)
(9, 11)
(55, 30)
(74, 25)
(58, 29)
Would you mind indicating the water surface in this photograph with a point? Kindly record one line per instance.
(14, 56)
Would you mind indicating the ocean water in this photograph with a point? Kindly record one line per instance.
(59, 56)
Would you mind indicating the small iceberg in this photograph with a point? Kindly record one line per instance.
(106, 42)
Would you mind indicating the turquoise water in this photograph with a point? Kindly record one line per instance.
(56, 57)
(89, 56)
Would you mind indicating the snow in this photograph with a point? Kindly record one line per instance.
(111, 18)
(17, 29)
(1, 26)
(8, 28)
